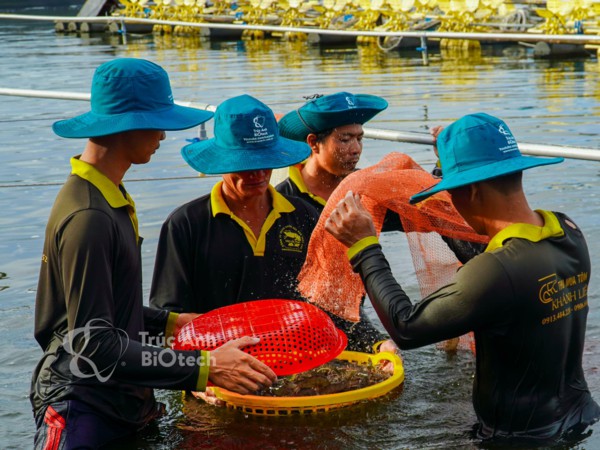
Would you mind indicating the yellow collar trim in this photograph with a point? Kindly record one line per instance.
(217, 202)
(279, 205)
(115, 197)
(551, 228)
(296, 178)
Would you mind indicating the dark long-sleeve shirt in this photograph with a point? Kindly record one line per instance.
(90, 320)
(207, 258)
(525, 299)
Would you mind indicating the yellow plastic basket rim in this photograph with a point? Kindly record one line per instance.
(340, 398)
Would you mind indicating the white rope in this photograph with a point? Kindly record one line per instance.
(372, 133)
(499, 37)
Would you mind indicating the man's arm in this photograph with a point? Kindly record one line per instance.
(464, 250)
(477, 297)
(101, 348)
(99, 320)
(469, 302)
(362, 335)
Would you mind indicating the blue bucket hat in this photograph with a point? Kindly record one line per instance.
(130, 94)
(328, 112)
(478, 147)
(246, 138)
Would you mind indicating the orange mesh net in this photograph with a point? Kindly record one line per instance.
(327, 279)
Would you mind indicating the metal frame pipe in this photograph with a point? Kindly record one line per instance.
(35, 93)
(63, 95)
(372, 133)
(526, 148)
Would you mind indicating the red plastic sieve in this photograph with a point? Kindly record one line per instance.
(294, 336)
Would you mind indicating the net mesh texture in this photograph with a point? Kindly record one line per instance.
(294, 336)
(327, 278)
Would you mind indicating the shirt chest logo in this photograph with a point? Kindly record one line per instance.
(291, 239)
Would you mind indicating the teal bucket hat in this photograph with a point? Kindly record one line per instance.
(130, 94)
(330, 111)
(246, 138)
(478, 147)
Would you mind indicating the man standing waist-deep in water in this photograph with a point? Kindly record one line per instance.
(525, 297)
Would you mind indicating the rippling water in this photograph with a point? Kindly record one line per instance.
(547, 102)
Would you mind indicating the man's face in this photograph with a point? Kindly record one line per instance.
(142, 144)
(339, 152)
(247, 184)
(462, 201)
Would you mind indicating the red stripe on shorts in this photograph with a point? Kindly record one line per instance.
(56, 424)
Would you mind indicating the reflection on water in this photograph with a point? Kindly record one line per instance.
(231, 429)
(380, 423)
(546, 102)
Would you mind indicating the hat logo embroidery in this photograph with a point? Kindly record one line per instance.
(350, 102)
(261, 133)
(503, 131)
(511, 143)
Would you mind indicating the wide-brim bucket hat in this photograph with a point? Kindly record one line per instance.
(475, 148)
(130, 94)
(246, 138)
(328, 112)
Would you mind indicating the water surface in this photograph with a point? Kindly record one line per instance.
(548, 102)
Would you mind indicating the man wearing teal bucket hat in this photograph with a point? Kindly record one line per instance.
(243, 241)
(332, 126)
(94, 382)
(525, 298)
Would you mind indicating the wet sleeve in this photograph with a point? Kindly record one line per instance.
(392, 222)
(464, 250)
(87, 250)
(480, 293)
(155, 320)
(172, 279)
(362, 335)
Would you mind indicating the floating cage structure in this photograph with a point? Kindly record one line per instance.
(549, 17)
(289, 406)
(477, 21)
